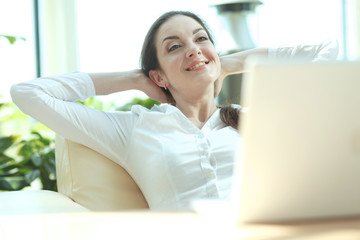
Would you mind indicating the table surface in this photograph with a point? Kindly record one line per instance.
(169, 226)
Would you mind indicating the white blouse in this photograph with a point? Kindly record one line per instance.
(172, 161)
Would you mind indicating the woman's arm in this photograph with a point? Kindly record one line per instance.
(107, 83)
(52, 101)
(234, 64)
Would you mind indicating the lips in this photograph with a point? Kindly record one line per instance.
(197, 64)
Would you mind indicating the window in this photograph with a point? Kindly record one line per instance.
(17, 61)
(305, 21)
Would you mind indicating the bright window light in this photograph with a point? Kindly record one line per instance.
(111, 32)
(17, 61)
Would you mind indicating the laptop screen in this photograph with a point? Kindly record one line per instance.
(300, 157)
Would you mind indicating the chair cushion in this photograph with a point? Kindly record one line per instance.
(36, 202)
(93, 180)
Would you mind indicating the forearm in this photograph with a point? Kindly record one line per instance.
(107, 83)
(234, 63)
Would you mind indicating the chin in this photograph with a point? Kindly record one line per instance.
(206, 80)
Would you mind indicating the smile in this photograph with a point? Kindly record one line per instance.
(196, 66)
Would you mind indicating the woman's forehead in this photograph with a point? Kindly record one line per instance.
(176, 26)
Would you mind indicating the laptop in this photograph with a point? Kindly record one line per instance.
(300, 155)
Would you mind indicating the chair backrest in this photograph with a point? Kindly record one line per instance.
(93, 180)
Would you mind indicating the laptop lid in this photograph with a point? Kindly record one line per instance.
(300, 156)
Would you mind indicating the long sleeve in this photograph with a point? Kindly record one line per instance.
(51, 101)
(325, 51)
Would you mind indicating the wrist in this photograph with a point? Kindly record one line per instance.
(138, 79)
(231, 64)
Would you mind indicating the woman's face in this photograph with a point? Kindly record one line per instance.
(187, 57)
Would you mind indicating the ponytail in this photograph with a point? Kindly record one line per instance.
(230, 115)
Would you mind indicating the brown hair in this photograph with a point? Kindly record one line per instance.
(149, 60)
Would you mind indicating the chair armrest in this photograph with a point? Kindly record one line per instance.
(93, 180)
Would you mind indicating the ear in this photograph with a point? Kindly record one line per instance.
(156, 77)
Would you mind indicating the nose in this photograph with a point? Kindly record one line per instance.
(193, 51)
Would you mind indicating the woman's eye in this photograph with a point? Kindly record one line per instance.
(174, 47)
(202, 38)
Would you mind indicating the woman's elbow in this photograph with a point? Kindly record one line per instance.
(15, 93)
(22, 95)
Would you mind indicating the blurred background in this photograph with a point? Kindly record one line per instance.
(46, 37)
(106, 35)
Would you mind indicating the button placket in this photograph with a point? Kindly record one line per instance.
(208, 166)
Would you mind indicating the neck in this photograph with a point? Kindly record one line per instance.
(197, 110)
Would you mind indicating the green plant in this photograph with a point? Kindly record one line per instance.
(111, 106)
(148, 103)
(98, 104)
(9, 176)
(12, 39)
(35, 160)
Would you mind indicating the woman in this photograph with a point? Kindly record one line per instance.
(176, 152)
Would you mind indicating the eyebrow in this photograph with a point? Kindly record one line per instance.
(176, 37)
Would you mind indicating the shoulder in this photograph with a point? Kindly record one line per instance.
(158, 115)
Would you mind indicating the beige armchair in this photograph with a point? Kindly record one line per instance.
(87, 181)
(94, 181)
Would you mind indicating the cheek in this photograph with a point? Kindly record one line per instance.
(211, 54)
(170, 65)
(216, 60)
(168, 68)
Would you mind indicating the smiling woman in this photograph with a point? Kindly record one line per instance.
(176, 152)
(164, 46)
(108, 37)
